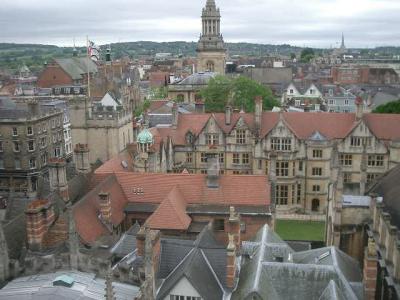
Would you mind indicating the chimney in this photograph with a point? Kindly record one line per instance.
(230, 263)
(58, 177)
(81, 158)
(175, 114)
(105, 207)
(213, 172)
(228, 115)
(258, 111)
(234, 227)
(370, 270)
(140, 241)
(39, 217)
(359, 108)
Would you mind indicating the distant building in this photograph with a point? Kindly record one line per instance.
(275, 78)
(29, 137)
(210, 48)
(67, 72)
(187, 90)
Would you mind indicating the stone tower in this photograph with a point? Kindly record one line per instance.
(211, 49)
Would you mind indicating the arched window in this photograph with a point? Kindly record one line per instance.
(315, 205)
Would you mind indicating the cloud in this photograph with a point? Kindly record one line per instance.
(317, 23)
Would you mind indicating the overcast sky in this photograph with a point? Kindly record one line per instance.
(315, 23)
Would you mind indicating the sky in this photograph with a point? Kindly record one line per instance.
(311, 23)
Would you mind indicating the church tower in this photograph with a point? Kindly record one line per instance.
(211, 49)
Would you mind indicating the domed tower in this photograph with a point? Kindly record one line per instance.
(211, 50)
(144, 141)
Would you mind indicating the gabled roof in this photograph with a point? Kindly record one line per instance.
(302, 124)
(300, 275)
(171, 213)
(204, 267)
(77, 66)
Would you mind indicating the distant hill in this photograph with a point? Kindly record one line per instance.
(13, 56)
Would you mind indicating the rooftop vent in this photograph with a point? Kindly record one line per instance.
(64, 280)
(322, 256)
(124, 164)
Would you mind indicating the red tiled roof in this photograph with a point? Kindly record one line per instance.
(182, 190)
(171, 213)
(156, 104)
(115, 164)
(303, 125)
(86, 211)
(233, 190)
(331, 125)
(384, 126)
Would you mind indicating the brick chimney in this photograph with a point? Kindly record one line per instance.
(370, 270)
(33, 107)
(82, 162)
(39, 217)
(258, 109)
(359, 102)
(58, 177)
(231, 263)
(213, 172)
(175, 115)
(234, 227)
(105, 207)
(228, 115)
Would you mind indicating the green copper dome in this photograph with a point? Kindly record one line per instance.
(145, 137)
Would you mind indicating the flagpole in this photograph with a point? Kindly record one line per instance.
(88, 73)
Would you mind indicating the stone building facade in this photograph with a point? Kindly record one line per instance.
(300, 149)
(211, 49)
(29, 136)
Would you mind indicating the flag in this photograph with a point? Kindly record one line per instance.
(93, 51)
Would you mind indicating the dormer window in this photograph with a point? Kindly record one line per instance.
(189, 138)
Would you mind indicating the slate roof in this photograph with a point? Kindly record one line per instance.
(127, 243)
(86, 286)
(325, 273)
(204, 266)
(388, 187)
(75, 67)
(197, 79)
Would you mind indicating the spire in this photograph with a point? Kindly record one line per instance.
(342, 46)
(74, 51)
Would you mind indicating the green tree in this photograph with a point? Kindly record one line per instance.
(142, 107)
(238, 92)
(217, 93)
(307, 55)
(389, 108)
